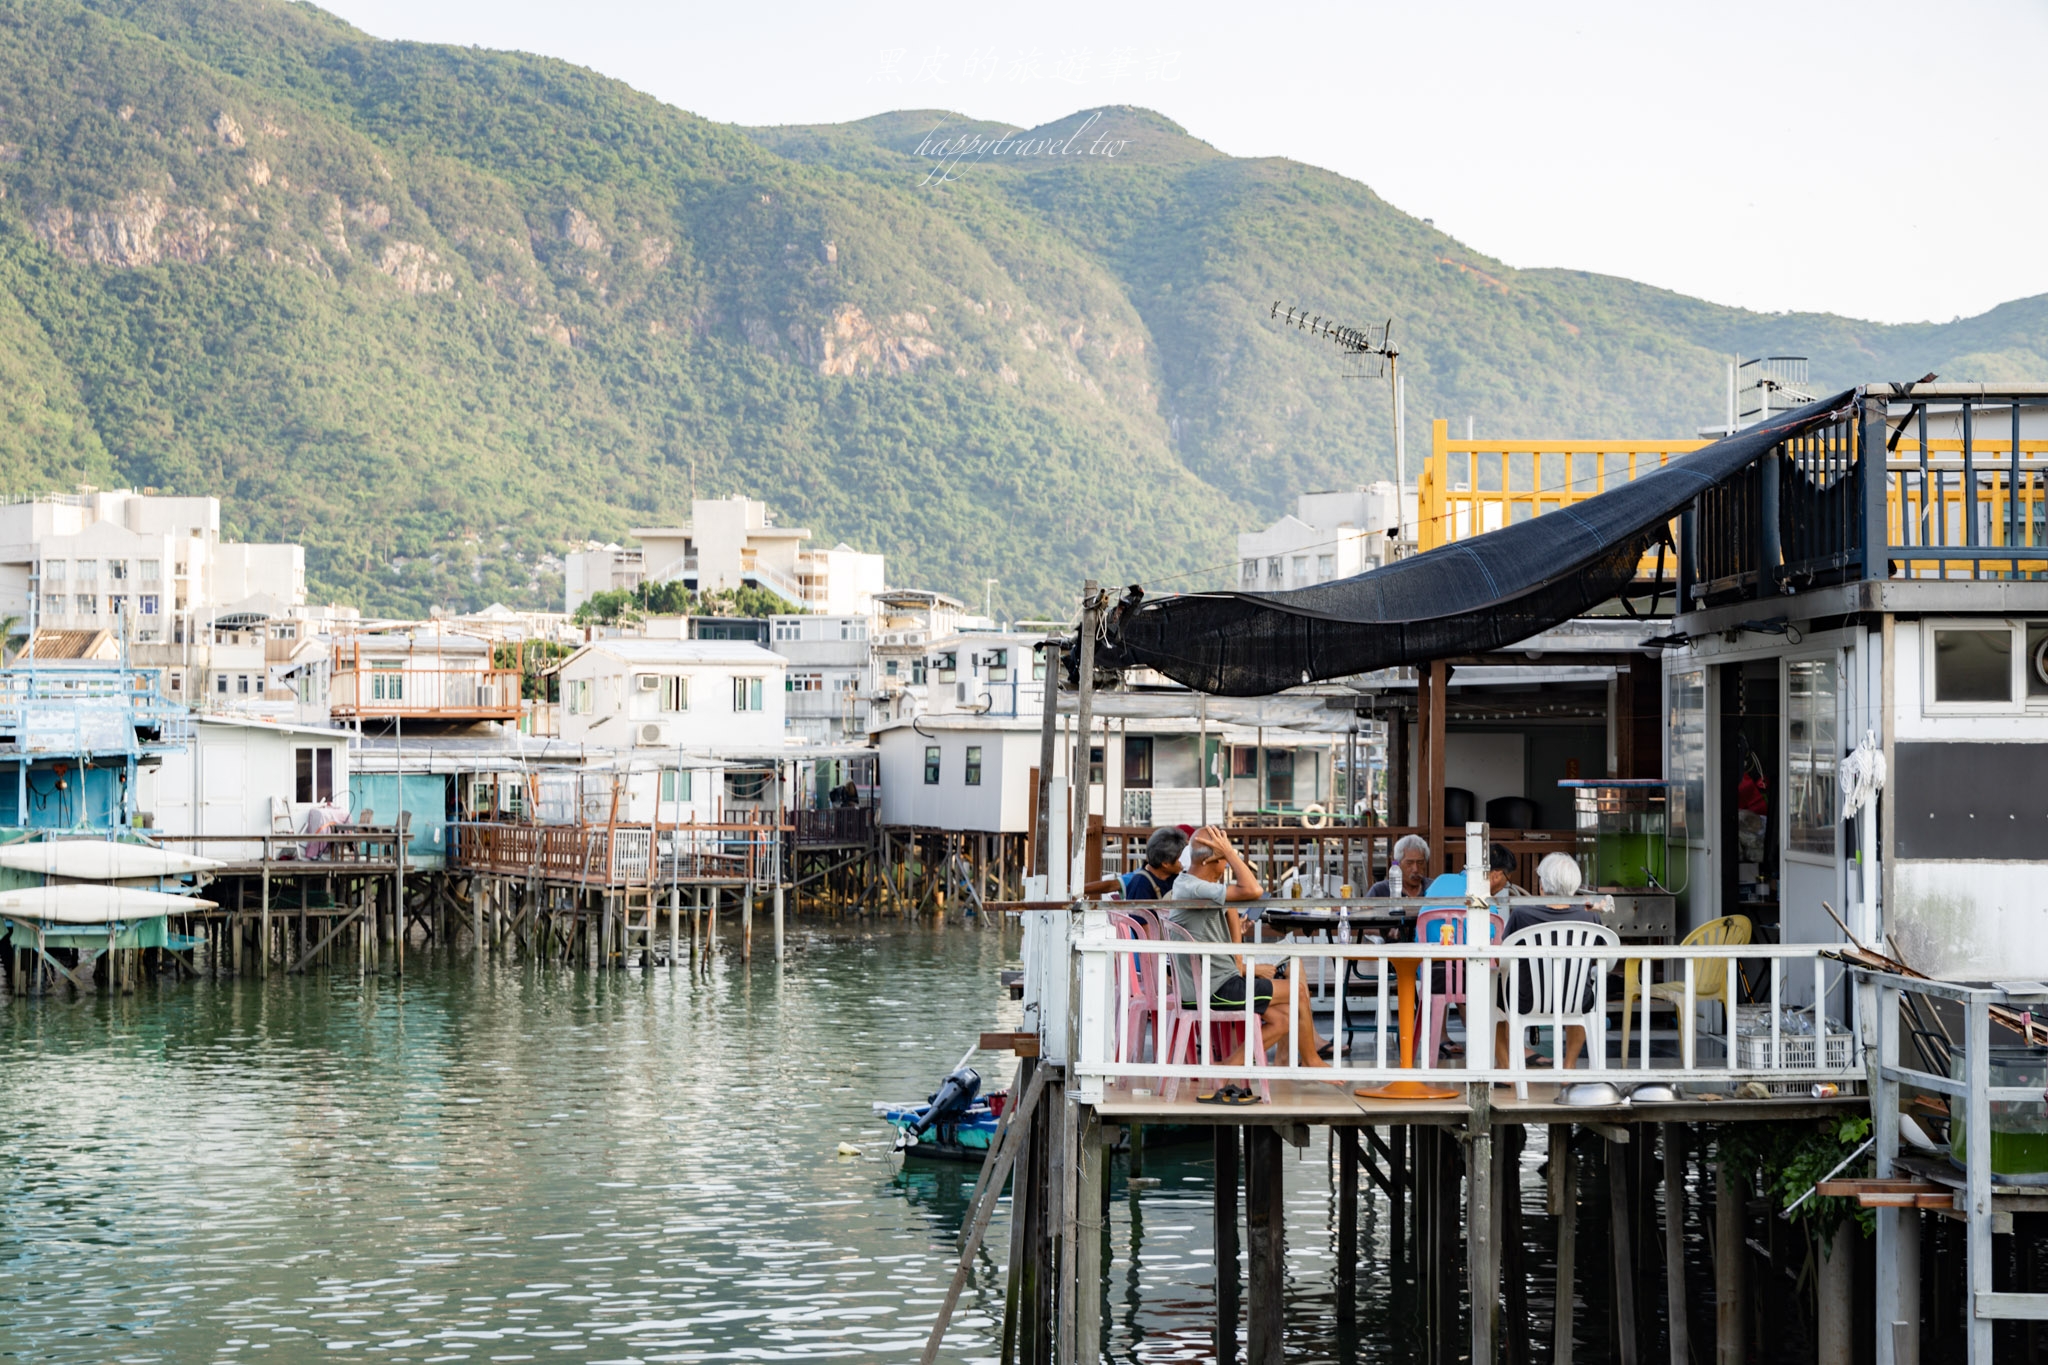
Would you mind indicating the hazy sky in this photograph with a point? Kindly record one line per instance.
(1876, 158)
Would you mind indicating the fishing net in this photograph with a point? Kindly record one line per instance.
(1485, 593)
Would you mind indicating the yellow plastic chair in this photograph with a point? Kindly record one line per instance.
(1709, 980)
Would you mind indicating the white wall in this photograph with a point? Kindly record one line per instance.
(1000, 804)
(245, 772)
(709, 723)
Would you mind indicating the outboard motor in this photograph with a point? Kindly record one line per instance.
(950, 1102)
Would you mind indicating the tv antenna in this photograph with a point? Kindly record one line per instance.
(1370, 348)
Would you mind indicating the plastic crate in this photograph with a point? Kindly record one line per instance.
(1797, 1052)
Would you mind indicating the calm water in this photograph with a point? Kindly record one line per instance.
(501, 1164)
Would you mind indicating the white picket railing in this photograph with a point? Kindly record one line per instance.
(1752, 1035)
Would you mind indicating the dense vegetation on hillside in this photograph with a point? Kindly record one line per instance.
(442, 314)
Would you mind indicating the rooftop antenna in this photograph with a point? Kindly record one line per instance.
(1371, 350)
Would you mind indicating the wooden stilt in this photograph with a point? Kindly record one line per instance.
(1089, 1231)
(1266, 1247)
(1835, 1280)
(1348, 1158)
(1228, 1167)
(263, 957)
(1731, 1314)
(1516, 1329)
(1679, 1329)
(1565, 1181)
(1624, 1261)
(1482, 1232)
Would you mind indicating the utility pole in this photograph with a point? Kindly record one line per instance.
(1091, 615)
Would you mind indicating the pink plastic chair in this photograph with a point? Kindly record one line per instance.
(1145, 991)
(1226, 1029)
(1448, 926)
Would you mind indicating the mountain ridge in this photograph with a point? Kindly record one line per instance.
(440, 312)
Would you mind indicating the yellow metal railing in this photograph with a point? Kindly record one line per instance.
(1472, 486)
(1469, 487)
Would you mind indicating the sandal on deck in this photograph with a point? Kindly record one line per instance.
(1228, 1094)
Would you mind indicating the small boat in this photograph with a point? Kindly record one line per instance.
(84, 903)
(102, 860)
(964, 1137)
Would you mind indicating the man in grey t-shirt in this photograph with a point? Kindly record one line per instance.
(1209, 918)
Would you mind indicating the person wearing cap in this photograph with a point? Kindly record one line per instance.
(1217, 878)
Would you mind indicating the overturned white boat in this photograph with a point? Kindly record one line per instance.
(102, 860)
(85, 903)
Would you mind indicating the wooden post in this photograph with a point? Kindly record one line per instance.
(1835, 1278)
(263, 958)
(747, 899)
(1624, 1267)
(1679, 1328)
(1482, 1233)
(1090, 1230)
(675, 924)
(1266, 1244)
(1224, 1214)
(1020, 1204)
(1564, 1182)
(1347, 1226)
(1516, 1333)
(1433, 815)
(1731, 1314)
(778, 922)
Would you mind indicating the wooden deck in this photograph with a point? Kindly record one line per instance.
(1316, 1102)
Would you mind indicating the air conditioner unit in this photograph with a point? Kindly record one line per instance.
(647, 682)
(648, 733)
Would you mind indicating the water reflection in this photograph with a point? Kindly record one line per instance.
(485, 1163)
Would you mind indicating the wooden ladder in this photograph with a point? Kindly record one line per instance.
(640, 924)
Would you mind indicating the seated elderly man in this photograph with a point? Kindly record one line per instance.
(1556, 875)
(1411, 856)
(1209, 918)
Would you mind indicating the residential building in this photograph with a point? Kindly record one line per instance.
(959, 773)
(731, 543)
(829, 677)
(1329, 535)
(906, 621)
(240, 778)
(150, 568)
(424, 675)
(987, 673)
(696, 696)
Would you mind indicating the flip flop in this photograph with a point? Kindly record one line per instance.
(1222, 1094)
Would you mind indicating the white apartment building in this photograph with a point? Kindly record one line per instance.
(694, 696)
(151, 569)
(730, 543)
(1330, 535)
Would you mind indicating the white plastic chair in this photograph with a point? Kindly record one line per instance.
(1565, 990)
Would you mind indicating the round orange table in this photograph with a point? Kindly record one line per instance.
(1405, 970)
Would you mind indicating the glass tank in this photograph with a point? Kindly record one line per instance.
(2019, 1128)
(1627, 823)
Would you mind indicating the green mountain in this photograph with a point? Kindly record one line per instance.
(441, 313)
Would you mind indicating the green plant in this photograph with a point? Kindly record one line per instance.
(1792, 1158)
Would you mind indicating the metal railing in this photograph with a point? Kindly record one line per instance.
(1363, 995)
(1898, 1000)
(487, 694)
(1469, 487)
(1964, 494)
(615, 855)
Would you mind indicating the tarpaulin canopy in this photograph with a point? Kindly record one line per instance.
(1484, 593)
